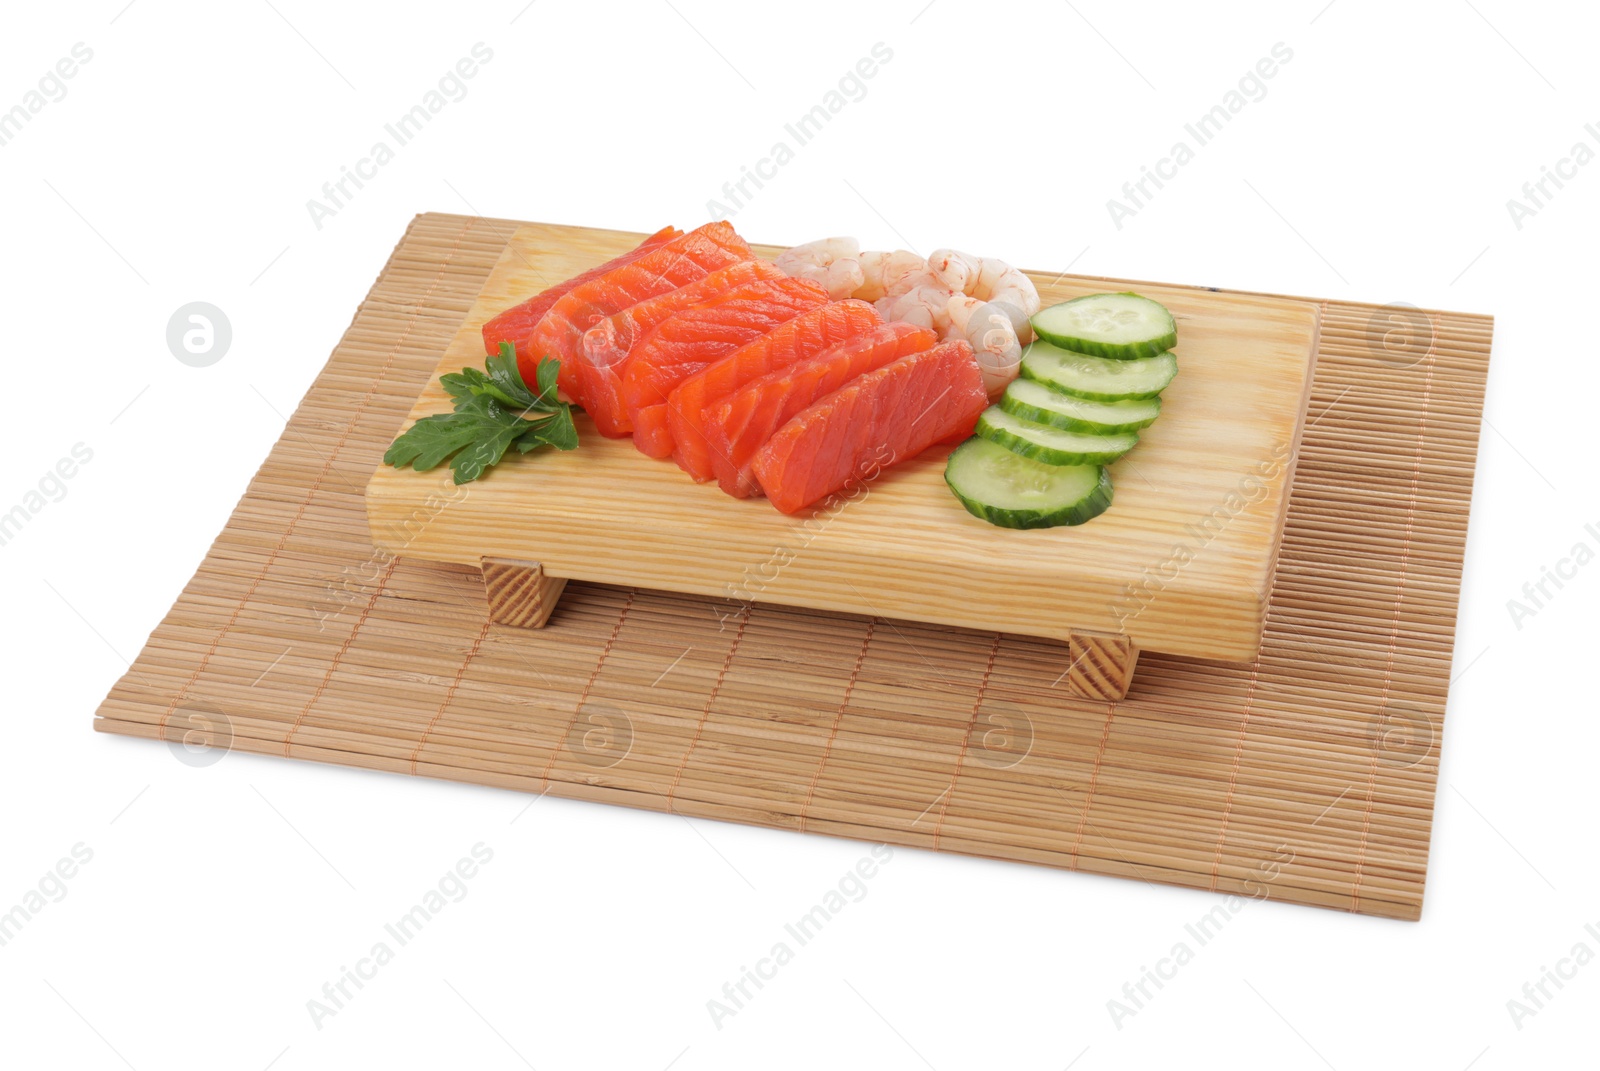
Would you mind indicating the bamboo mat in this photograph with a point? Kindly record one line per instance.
(1307, 776)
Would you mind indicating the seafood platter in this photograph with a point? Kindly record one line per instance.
(942, 438)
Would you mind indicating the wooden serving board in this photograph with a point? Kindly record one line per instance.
(1182, 562)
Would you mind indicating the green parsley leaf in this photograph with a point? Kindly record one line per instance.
(430, 441)
(556, 430)
(463, 384)
(548, 369)
(494, 409)
(505, 382)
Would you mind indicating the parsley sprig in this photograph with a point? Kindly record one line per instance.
(494, 411)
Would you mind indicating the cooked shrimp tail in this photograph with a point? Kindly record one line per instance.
(988, 327)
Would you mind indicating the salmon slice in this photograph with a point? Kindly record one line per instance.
(874, 421)
(695, 338)
(679, 262)
(516, 324)
(607, 344)
(801, 338)
(740, 425)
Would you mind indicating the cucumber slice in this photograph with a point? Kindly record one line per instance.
(1053, 446)
(1036, 402)
(1097, 378)
(1013, 491)
(1119, 326)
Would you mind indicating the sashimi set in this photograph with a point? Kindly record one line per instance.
(800, 377)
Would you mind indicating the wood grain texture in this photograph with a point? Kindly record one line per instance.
(1181, 563)
(519, 594)
(1306, 776)
(1100, 665)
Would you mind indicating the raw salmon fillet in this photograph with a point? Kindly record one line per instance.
(606, 345)
(516, 324)
(874, 421)
(695, 338)
(801, 338)
(740, 425)
(679, 262)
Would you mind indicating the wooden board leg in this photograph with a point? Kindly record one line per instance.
(519, 593)
(1102, 664)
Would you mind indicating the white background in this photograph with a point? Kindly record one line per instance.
(219, 900)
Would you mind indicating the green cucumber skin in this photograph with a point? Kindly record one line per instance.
(1066, 423)
(1018, 445)
(1089, 395)
(1131, 352)
(1114, 351)
(1078, 513)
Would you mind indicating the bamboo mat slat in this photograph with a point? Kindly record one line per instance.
(1307, 776)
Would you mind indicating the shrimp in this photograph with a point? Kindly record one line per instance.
(883, 273)
(833, 262)
(921, 277)
(957, 295)
(925, 306)
(990, 280)
(994, 341)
